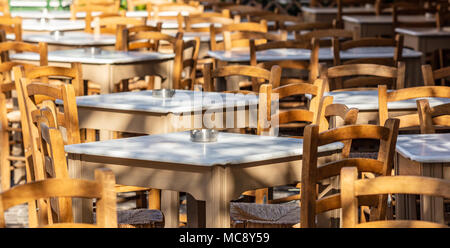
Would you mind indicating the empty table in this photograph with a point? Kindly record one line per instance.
(423, 155)
(381, 25)
(327, 14)
(426, 40)
(367, 103)
(70, 40)
(412, 58)
(109, 67)
(140, 112)
(214, 172)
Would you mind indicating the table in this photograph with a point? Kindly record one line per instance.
(140, 112)
(423, 155)
(327, 14)
(426, 40)
(71, 40)
(212, 172)
(108, 67)
(412, 58)
(381, 25)
(36, 25)
(367, 103)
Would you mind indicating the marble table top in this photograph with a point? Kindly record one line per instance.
(230, 148)
(105, 57)
(368, 100)
(37, 25)
(445, 31)
(325, 53)
(52, 14)
(387, 19)
(183, 101)
(425, 148)
(72, 39)
(333, 10)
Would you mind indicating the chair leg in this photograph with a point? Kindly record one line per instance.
(154, 199)
(5, 164)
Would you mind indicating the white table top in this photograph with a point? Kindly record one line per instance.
(333, 10)
(183, 101)
(444, 32)
(325, 53)
(368, 100)
(106, 57)
(230, 148)
(425, 148)
(386, 19)
(52, 14)
(206, 37)
(37, 25)
(72, 39)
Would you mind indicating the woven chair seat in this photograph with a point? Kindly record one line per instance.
(139, 218)
(264, 215)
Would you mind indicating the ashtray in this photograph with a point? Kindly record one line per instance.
(163, 93)
(93, 50)
(56, 34)
(204, 135)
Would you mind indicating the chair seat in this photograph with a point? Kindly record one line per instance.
(264, 215)
(142, 218)
(13, 116)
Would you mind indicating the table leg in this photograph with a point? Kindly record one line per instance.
(218, 199)
(432, 208)
(405, 208)
(170, 203)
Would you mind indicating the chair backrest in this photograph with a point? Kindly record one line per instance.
(12, 25)
(311, 67)
(313, 203)
(89, 6)
(187, 23)
(4, 7)
(250, 28)
(143, 37)
(186, 64)
(352, 191)
(397, 43)
(432, 116)
(101, 189)
(410, 120)
(364, 76)
(341, 4)
(443, 16)
(18, 46)
(325, 36)
(300, 28)
(269, 116)
(430, 76)
(257, 75)
(155, 10)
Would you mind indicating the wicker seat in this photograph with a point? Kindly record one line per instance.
(264, 215)
(139, 218)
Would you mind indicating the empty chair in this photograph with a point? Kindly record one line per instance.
(191, 23)
(109, 24)
(280, 21)
(406, 8)
(364, 76)
(407, 120)
(341, 4)
(11, 25)
(325, 36)
(301, 28)
(396, 43)
(155, 10)
(352, 190)
(432, 117)
(430, 76)
(89, 6)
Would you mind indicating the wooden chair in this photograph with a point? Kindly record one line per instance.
(341, 4)
(364, 76)
(443, 16)
(251, 29)
(11, 116)
(89, 6)
(314, 202)
(187, 23)
(132, 4)
(12, 25)
(409, 120)
(325, 36)
(300, 28)
(33, 96)
(4, 7)
(406, 8)
(109, 24)
(430, 76)
(397, 43)
(311, 67)
(431, 117)
(256, 74)
(352, 191)
(101, 189)
(155, 10)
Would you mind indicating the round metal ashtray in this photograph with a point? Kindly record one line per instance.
(93, 50)
(57, 34)
(204, 135)
(163, 93)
